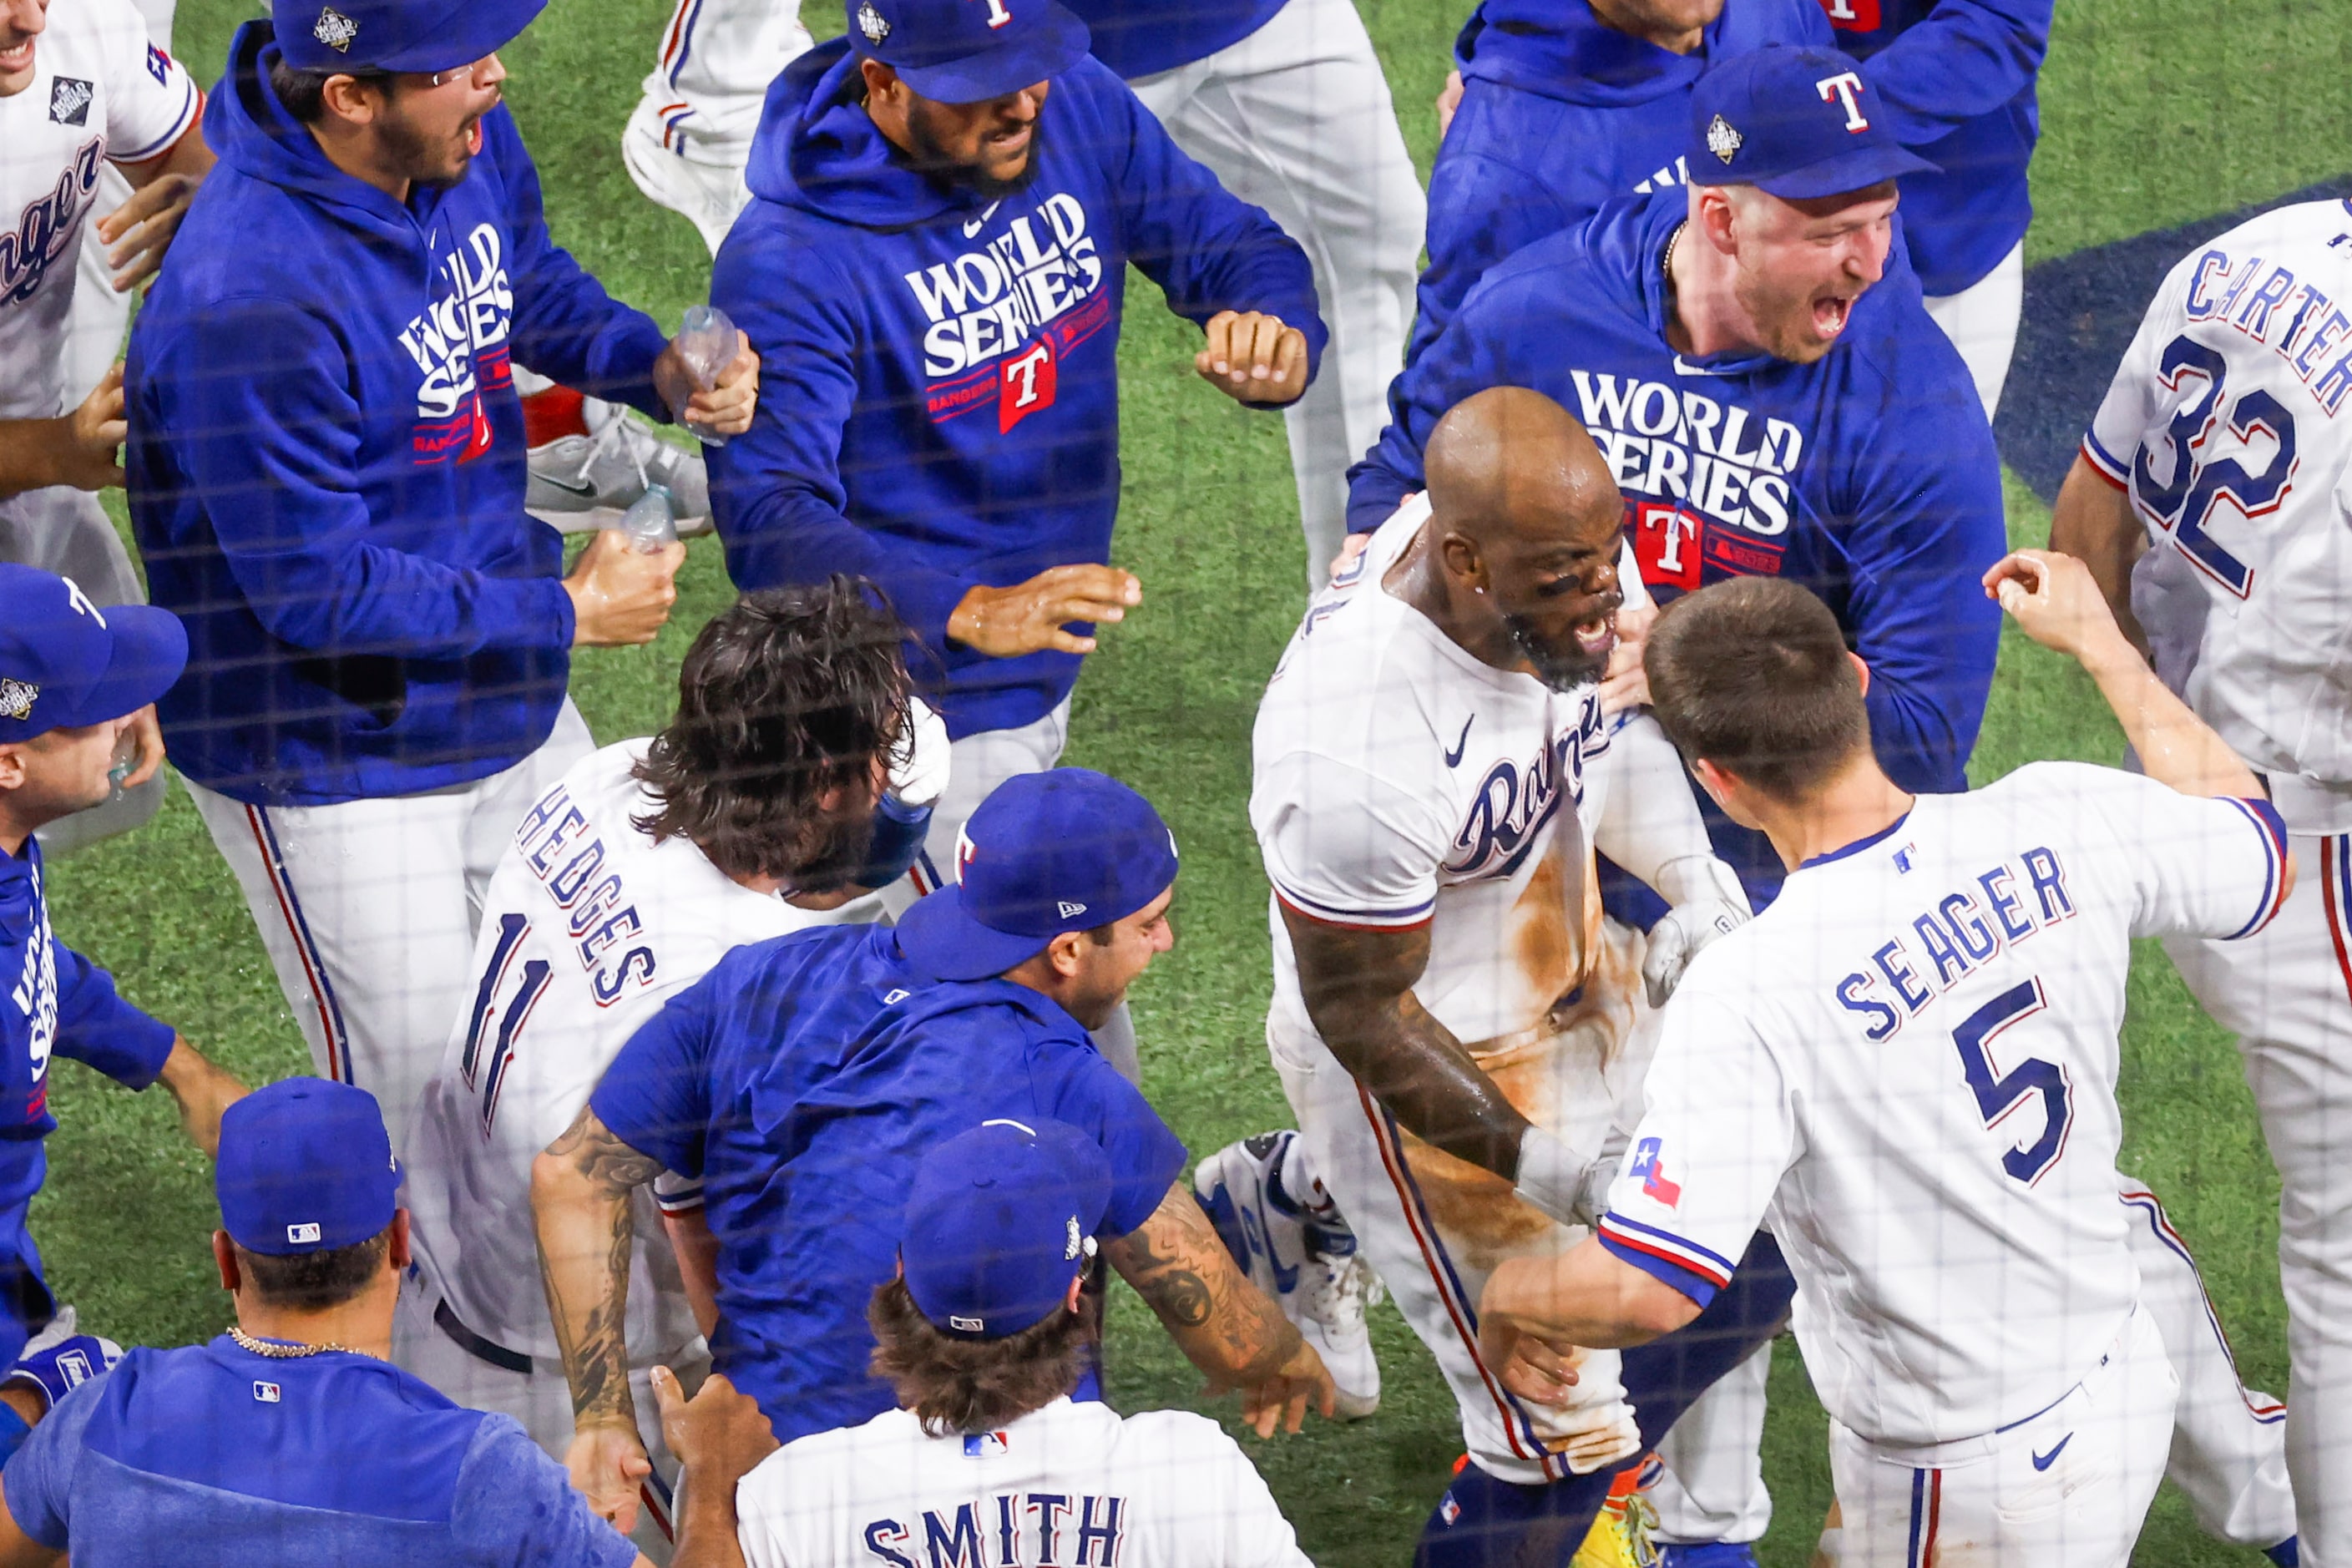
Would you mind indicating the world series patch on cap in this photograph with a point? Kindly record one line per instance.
(968, 51)
(66, 662)
(414, 35)
(1797, 122)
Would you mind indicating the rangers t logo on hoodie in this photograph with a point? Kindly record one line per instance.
(1040, 279)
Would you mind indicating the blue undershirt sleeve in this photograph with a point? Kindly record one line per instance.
(515, 1505)
(656, 1097)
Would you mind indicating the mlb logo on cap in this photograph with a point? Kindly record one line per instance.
(300, 1234)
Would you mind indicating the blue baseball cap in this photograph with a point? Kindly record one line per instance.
(968, 51)
(1068, 850)
(358, 36)
(1797, 122)
(65, 662)
(999, 1221)
(305, 1166)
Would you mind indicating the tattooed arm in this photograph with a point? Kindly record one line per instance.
(1225, 1324)
(580, 1189)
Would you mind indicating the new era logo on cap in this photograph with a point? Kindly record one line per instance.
(1068, 909)
(969, 1325)
(298, 1234)
(335, 30)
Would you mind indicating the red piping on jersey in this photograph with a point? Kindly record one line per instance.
(2100, 468)
(1408, 1200)
(2331, 885)
(313, 966)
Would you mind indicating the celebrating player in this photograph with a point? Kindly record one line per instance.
(1452, 1020)
(83, 91)
(2212, 454)
(802, 1079)
(759, 810)
(290, 1437)
(932, 272)
(1968, 1298)
(327, 478)
(72, 676)
(985, 1334)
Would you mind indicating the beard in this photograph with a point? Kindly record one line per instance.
(1560, 668)
(420, 159)
(1783, 319)
(934, 159)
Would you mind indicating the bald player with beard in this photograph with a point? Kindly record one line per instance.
(1454, 1024)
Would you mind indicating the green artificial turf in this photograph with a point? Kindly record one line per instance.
(2151, 118)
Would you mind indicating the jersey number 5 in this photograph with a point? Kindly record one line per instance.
(1999, 1094)
(484, 1073)
(2183, 503)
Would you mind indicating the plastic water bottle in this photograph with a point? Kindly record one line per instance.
(706, 339)
(651, 521)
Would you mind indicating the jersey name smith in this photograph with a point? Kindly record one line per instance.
(1009, 1530)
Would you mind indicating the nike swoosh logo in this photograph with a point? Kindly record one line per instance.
(566, 486)
(1684, 367)
(1454, 757)
(2043, 1461)
(972, 229)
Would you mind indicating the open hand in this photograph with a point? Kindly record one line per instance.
(1282, 1399)
(137, 233)
(1004, 622)
(1251, 357)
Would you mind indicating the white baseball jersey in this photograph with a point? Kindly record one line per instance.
(1071, 1483)
(1399, 781)
(2229, 424)
(1909, 1060)
(588, 928)
(102, 91)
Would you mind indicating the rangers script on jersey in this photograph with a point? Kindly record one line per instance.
(1908, 1063)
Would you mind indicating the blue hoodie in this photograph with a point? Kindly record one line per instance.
(1869, 475)
(1559, 115)
(1143, 38)
(940, 372)
(326, 460)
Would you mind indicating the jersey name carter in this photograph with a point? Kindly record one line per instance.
(2229, 426)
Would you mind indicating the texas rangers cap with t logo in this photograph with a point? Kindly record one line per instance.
(305, 1166)
(360, 36)
(999, 1221)
(1797, 122)
(968, 51)
(1068, 850)
(65, 662)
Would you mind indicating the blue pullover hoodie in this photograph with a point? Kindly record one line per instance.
(1559, 115)
(1143, 38)
(1869, 475)
(939, 371)
(326, 460)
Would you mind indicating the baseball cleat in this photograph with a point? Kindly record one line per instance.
(582, 483)
(708, 196)
(1619, 1536)
(1302, 1254)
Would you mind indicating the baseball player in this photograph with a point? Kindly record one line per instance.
(931, 270)
(71, 678)
(290, 1437)
(622, 885)
(2214, 464)
(1452, 1022)
(983, 1336)
(1910, 1060)
(327, 478)
(86, 99)
(802, 1078)
(1556, 110)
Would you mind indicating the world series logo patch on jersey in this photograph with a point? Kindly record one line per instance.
(70, 100)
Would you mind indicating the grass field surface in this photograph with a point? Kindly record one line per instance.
(2156, 112)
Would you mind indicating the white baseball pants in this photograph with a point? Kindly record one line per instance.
(2227, 1453)
(2066, 1488)
(542, 1400)
(2286, 993)
(976, 766)
(1981, 320)
(1296, 118)
(368, 910)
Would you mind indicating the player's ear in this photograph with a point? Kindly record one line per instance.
(1715, 214)
(12, 765)
(1712, 779)
(396, 1249)
(1861, 670)
(225, 1257)
(1070, 1297)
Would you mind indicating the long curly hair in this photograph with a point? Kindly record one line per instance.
(791, 707)
(955, 1386)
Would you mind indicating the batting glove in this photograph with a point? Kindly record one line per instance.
(56, 1369)
(1706, 901)
(922, 776)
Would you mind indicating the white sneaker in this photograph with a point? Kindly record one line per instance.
(1301, 1253)
(583, 483)
(708, 196)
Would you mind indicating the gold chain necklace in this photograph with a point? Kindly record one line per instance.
(1667, 262)
(285, 1352)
